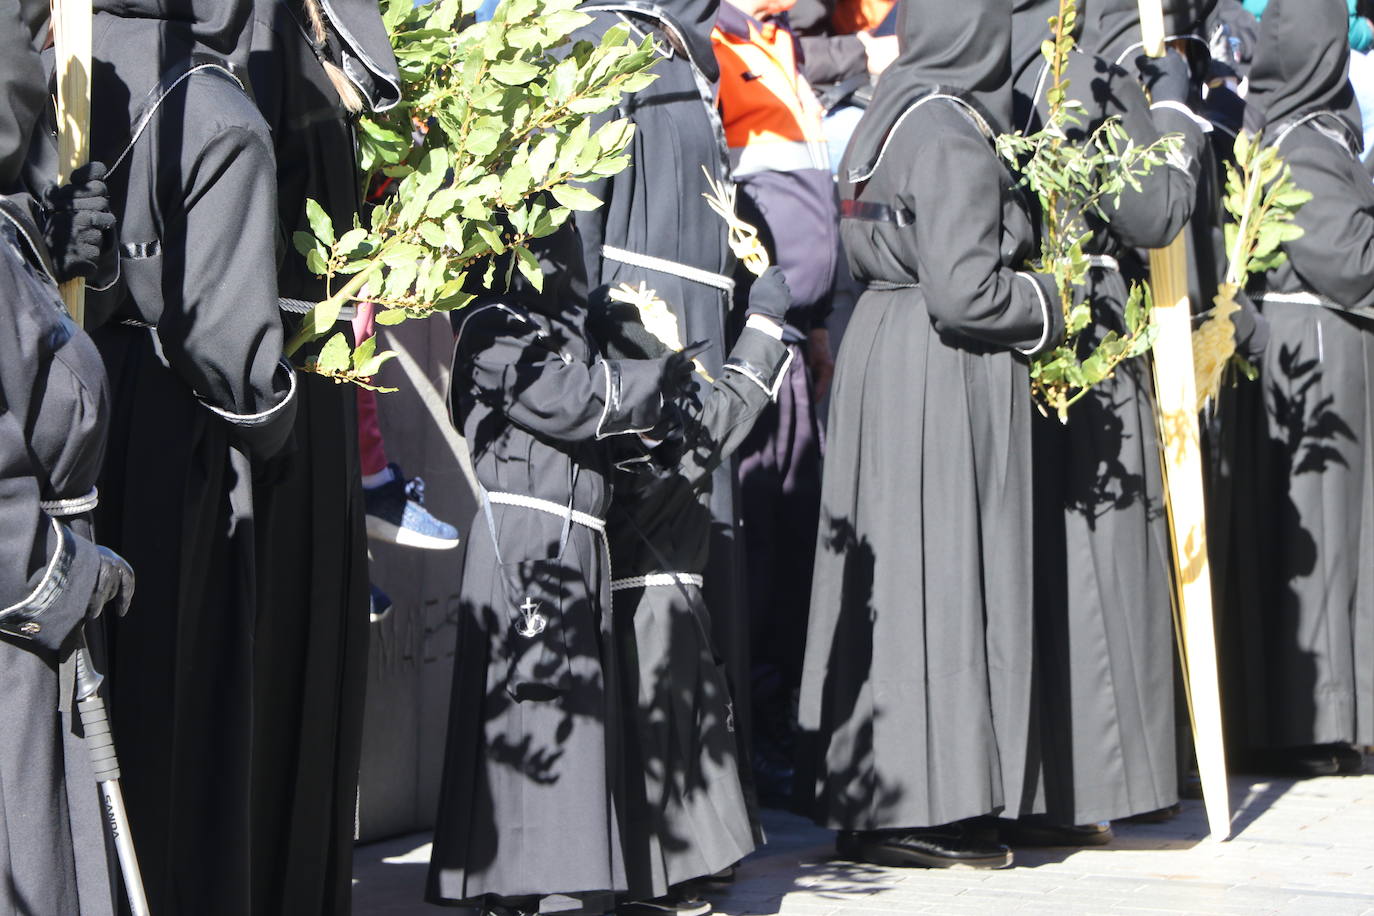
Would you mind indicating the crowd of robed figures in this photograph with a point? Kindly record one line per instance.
(983, 656)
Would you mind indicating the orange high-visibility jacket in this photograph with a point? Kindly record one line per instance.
(771, 116)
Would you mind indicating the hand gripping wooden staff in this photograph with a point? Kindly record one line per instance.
(1181, 456)
(71, 25)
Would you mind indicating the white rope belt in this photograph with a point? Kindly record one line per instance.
(1295, 298)
(65, 508)
(657, 580)
(665, 266)
(549, 506)
(1104, 262)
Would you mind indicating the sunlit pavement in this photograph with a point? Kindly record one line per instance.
(1300, 848)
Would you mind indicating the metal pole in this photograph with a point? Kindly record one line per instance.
(100, 742)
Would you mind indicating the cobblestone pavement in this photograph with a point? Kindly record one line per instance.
(1298, 849)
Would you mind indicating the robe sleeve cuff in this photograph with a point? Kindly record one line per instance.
(57, 604)
(762, 359)
(264, 433)
(632, 398)
(1051, 317)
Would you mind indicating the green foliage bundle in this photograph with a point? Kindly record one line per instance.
(1072, 178)
(487, 147)
(1261, 200)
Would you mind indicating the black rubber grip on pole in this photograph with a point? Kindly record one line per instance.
(99, 742)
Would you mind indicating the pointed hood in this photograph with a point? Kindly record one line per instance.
(1111, 28)
(962, 48)
(22, 94)
(1301, 65)
(365, 50)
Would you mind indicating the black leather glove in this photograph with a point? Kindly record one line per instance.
(675, 373)
(113, 584)
(1166, 78)
(79, 225)
(769, 296)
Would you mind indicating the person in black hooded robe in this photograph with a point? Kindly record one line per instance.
(54, 405)
(314, 65)
(655, 228)
(917, 677)
(192, 341)
(1297, 629)
(686, 816)
(1104, 738)
(532, 800)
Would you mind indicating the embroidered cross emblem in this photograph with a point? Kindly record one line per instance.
(532, 623)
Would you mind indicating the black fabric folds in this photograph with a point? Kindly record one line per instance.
(560, 261)
(21, 94)
(965, 46)
(218, 27)
(1111, 28)
(1302, 63)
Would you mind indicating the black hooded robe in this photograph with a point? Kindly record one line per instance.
(918, 657)
(194, 398)
(654, 207)
(532, 798)
(311, 654)
(1297, 631)
(686, 813)
(54, 405)
(1105, 734)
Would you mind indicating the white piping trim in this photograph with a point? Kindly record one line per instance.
(253, 419)
(979, 121)
(44, 584)
(665, 266)
(657, 580)
(606, 402)
(161, 97)
(1203, 124)
(79, 505)
(1044, 314)
(522, 501)
(748, 372)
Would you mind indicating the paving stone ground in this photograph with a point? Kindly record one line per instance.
(1298, 849)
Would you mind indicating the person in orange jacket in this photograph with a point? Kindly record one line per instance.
(779, 159)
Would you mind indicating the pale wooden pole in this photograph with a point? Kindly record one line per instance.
(71, 24)
(1181, 456)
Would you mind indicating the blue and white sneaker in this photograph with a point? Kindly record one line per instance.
(396, 512)
(379, 605)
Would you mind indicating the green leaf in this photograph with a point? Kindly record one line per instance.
(320, 223)
(334, 355)
(514, 72)
(575, 198)
(390, 316)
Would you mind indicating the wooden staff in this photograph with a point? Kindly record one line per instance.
(71, 24)
(1181, 456)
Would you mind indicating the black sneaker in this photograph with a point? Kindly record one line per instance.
(945, 846)
(396, 512)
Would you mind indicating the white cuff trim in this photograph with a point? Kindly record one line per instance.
(766, 325)
(1203, 124)
(1044, 314)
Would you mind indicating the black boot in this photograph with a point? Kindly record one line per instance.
(944, 846)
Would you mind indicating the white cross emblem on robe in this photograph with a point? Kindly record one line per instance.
(533, 622)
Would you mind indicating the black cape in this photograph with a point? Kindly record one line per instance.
(916, 686)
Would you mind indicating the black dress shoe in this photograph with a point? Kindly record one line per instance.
(678, 903)
(1349, 759)
(1157, 816)
(1297, 762)
(946, 846)
(1037, 830)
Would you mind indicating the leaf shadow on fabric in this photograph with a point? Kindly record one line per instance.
(854, 793)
